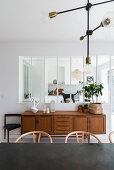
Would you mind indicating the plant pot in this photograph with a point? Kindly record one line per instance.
(80, 110)
(95, 108)
(85, 110)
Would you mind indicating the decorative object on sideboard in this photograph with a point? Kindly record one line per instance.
(80, 108)
(107, 21)
(85, 108)
(44, 108)
(95, 108)
(34, 108)
(52, 106)
(47, 110)
(94, 90)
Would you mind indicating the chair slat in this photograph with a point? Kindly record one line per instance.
(33, 138)
(82, 137)
(39, 137)
(110, 136)
(77, 138)
(88, 138)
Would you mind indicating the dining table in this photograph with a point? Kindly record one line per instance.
(56, 156)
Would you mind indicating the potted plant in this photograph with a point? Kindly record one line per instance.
(80, 108)
(85, 108)
(90, 91)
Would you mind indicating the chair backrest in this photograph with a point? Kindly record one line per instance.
(110, 136)
(81, 134)
(10, 115)
(38, 136)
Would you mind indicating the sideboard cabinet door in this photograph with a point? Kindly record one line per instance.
(80, 123)
(44, 123)
(28, 123)
(97, 124)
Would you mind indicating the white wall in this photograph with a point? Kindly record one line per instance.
(9, 68)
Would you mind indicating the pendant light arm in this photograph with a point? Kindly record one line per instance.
(90, 32)
(73, 9)
(104, 2)
(54, 14)
(97, 27)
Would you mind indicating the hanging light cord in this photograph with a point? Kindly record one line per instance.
(88, 30)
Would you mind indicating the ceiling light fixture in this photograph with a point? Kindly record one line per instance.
(107, 21)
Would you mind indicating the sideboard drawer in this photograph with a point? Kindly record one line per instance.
(63, 118)
(63, 124)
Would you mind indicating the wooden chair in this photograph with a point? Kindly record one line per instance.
(10, 126)
(38, 136)
(110, 136)
(81, 134)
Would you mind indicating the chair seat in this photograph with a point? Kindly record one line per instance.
(12, 126)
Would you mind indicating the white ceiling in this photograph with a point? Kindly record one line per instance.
(25, 21)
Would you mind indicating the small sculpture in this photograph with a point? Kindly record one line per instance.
(34, 108)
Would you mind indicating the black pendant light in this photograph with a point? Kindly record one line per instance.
(108, 21)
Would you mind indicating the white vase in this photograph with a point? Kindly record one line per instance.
(34, 109)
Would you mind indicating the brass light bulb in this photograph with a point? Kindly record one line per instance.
(53, 14)
(88, 60)
(82, 37)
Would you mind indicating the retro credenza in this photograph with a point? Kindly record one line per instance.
(63, 122)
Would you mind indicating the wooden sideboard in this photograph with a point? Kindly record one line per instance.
(63, 122)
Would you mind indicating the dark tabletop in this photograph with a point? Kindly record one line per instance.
(56, 156)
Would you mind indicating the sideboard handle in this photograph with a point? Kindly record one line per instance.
(37, 121)
(63, 117)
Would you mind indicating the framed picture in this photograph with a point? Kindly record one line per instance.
(90, 79)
